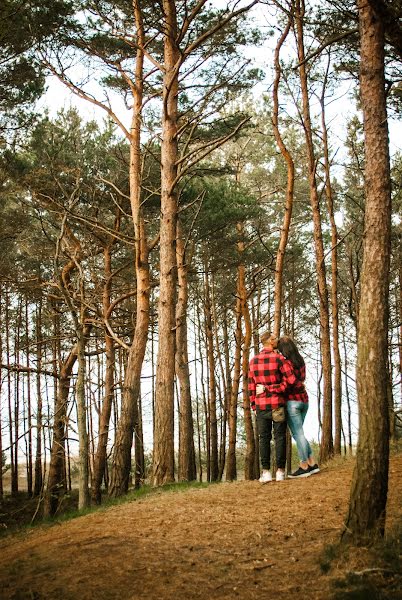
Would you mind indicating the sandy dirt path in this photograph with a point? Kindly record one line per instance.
(231, 540)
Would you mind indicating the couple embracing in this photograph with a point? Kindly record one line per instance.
(278, 395)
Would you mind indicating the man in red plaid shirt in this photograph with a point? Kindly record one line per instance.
(267, 368)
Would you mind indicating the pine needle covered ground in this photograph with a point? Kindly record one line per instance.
(232, 540)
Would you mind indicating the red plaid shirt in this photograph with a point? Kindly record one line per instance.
(267, 368)
(297, 390)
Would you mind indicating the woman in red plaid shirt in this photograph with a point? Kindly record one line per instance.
(297, 407)
(269, 368)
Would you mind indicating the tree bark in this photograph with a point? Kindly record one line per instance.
(280, 255)
(367, 507)
(83, 450)
(56, 482)
(231, 466)
(121, 462)
(163, 467)
(213, 425)
(106, 409)
(326, 450)
(187, 469)
(334, 282)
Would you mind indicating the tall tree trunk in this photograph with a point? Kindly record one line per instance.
(187, 469)
(121, 462)
(17, 338)
(83, 450)
(29, 406)
(280, 256)
(345, 354)
(9, 393)
(227, 384)
(213, 424)
(163, 467)
(106, 409)
(249, 467)
(250, 461)
(368, 498)
(231, 467)
(1, 386)
(334, 281)
(326, 450)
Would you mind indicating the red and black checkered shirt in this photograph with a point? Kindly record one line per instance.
(297, 391)
(267, 368)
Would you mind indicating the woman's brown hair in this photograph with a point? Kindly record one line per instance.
(288, 348)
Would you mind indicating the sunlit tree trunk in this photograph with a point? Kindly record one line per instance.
(163, 467)
(367, 508)
(121, 463)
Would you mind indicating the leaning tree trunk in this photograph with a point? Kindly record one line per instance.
(367, 507)
(326, 450)
(280, 256)
(163, 467)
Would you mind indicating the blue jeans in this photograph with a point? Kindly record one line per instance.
(296, 412)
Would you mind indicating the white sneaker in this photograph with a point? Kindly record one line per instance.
(280, 476)
(266, 477)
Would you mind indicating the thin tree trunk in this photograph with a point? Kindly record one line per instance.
(15, 474)
(9, 394)
(280, 256)
(187, 469)
(106, 410)
(231, 468)
(214, 467)
(326, 450)
(368, 499)
(350, 444)
(83, 456)
(1, 389)
(227, 384)
(29, 407)
(334, 281)
(249, 467)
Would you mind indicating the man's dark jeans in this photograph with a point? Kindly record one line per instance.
(264, 426)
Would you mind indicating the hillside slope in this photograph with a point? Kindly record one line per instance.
(232, 540)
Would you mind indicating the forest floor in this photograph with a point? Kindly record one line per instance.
(225, 541)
